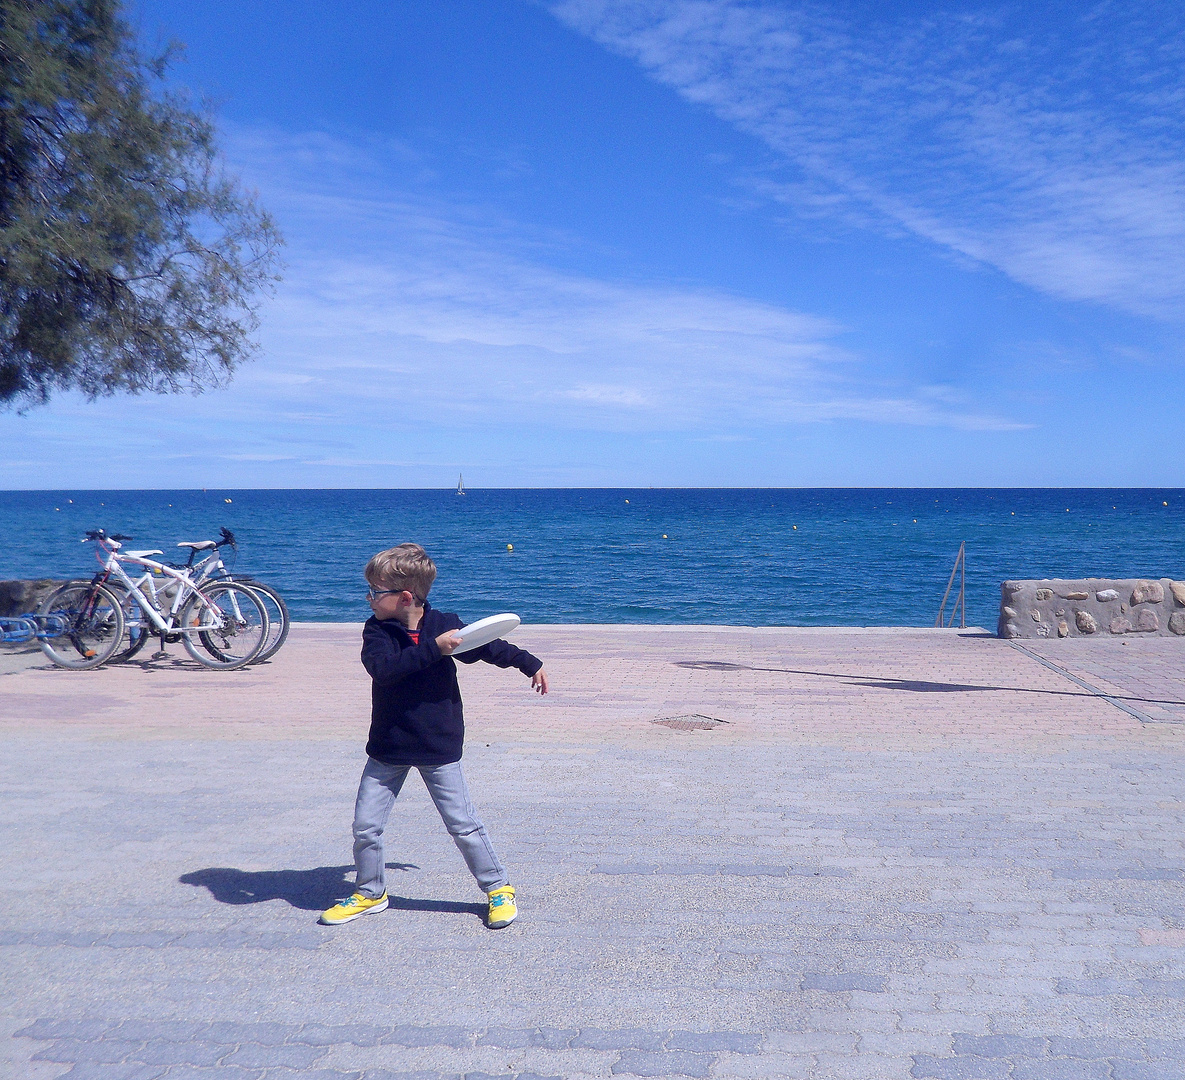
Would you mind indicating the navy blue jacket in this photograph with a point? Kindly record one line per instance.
(415, 702)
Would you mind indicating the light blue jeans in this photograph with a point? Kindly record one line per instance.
(377, 792)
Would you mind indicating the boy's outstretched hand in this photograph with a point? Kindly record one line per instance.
(539, 681)
(448, 642)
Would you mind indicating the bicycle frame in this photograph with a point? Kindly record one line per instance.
(112, 566)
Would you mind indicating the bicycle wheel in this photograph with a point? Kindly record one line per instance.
(277, 613)
(83, 625)
(137, 628)
(225, 625)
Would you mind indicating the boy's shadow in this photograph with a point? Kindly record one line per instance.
(308, 890)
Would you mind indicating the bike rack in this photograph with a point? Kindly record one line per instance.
(17, 629)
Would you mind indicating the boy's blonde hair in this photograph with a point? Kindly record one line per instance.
(404, 567)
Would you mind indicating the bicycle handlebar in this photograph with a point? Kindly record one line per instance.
(99, 534)
(227, 538)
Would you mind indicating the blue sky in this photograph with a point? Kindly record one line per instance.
(682, 242)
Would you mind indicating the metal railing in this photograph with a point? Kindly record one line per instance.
(960, 604)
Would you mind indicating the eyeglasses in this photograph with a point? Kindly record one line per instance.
(373, 594)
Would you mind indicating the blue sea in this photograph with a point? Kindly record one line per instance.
(857, 557)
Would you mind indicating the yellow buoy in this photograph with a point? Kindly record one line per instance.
(627, 502)
(226, 500)
(1164, 504)
(915, 521)
(795, 528)
(58, 509)
(664, 536)
(71, 501)
(509, 547)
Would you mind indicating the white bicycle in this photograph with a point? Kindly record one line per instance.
(222, 624)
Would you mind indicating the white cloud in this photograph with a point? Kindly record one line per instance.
(411, 303)
(1051, 150)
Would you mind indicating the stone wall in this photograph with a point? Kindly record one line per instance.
(1090, 607)
(22, 597)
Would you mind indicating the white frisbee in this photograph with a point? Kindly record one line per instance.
(482, 632)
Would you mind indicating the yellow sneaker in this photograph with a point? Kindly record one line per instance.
(502, 908)
(353, 907)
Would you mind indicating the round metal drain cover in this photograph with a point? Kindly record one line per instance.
(690, 722)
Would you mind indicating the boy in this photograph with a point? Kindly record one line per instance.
(416, 722)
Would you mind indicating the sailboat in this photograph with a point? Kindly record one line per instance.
(460, 484)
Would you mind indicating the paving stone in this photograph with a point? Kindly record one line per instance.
(187, 1053)
(311, 1074)
(961, 1068)
(159, 1030)
(1122, 1069)
(217, 1072)
(410, 1035)
(671, 1063)
(736, 1042)
(104, 1050)
(49, 1028)
(999, 1046)
(619, 1039)
(1073, 1047)
(93, 1070)
(387, 1074)
(335, 1034)
(509, 1038)
(873, 984)
(1060, 1069)
(256, 1056)
(224, 1031)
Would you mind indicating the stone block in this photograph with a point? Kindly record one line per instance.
(1177, 622)
(1106, 596)
(412, 1035)
(710, 1042)
(102, 1050)
(1120, 625)
(999, 1046)
(1147, 592)
(95, 1070)
(1147, 622)
(619, 1039)
(1144, 1070)
(1061, 1070)
(960, 1068)
(1177, 588)
(851, 980)
(22, 597)
(1085, 622)
(671, 1063)
(295, 1057)
(1044, 594)
(1063, 628)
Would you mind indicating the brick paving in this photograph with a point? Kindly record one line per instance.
(906, 854)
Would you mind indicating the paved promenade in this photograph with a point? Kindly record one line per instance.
(905, 854)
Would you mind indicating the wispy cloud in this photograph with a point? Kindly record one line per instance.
(412, 302)
(1051, 150)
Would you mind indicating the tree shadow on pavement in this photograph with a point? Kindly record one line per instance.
(308, 890)
(917, 686)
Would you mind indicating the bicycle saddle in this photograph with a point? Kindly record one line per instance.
(197, 545)
(141, 554)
